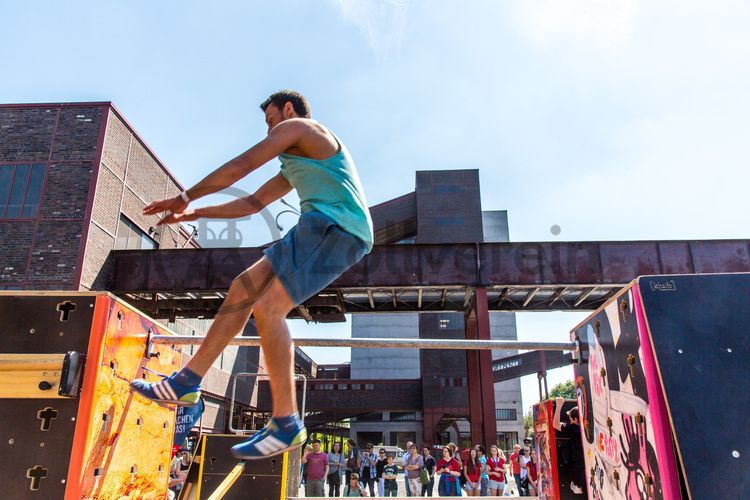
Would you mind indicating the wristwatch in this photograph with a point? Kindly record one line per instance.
(185, 197)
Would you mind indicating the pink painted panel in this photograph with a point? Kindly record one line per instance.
(658, 406)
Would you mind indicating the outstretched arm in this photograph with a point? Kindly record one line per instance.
(558, 410)
(269, 192)
(279, 139)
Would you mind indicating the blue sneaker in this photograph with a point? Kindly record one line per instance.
(270, 441)
(167, 390)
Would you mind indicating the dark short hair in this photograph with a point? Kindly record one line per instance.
(573, 413)
(280, 98)
(351, 442)
(480, 448)
(316, 441)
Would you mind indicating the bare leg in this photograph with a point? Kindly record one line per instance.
(233, 315)
(270, 313)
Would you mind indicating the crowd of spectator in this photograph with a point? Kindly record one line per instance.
(367, 472)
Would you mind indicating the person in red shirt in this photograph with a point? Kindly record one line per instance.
(473, 474)
(449, 469)
(531, 466)
(496, 471)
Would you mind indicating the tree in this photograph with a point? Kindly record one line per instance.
(565, 390)
(528, 422)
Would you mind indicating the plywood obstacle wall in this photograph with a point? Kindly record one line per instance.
(103, 442)
(662, 388)
(554, 476)
(275, 478)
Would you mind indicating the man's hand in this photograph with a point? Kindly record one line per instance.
(174, 205)
(185, 216)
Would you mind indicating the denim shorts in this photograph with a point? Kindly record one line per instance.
(496, 485)
(312, 254)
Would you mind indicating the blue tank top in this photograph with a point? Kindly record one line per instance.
(332, 187)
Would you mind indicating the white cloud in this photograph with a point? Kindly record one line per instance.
(381, 21)
(607, 24)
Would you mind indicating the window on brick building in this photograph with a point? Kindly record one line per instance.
(131, 237)
(505, 414)
(21, 190)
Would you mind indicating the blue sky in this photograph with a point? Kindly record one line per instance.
(615, 120)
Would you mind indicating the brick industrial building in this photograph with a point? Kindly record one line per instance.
(73, 181)
(445, 207)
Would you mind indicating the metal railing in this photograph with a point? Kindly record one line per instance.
(381, 343)
(237, 376)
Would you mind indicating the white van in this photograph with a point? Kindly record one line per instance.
(396, 452)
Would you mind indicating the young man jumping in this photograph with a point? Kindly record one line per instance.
(333, 233)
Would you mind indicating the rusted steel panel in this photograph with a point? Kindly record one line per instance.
(624, 261)
(540, 263)
(227, 263)
(178, 269)
(505, 263)
(413, 265)
(570, 263)
(436, 265)
(676, 257)
(130, 270)
(720, 256)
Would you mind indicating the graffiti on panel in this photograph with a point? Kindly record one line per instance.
(611, 389)
(542, 422)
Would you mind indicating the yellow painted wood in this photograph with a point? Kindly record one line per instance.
(31, 362)
(25, 384)
(284, 470)
(228, 481)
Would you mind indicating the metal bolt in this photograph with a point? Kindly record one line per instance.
(735, 454)
(11, 441)
(679, 351)
(32, 330)
(62, 481)
(61, 334)
(91, 305)
(729, 349)
(41, 445)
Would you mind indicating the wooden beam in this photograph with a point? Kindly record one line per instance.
(30, 376)
(228, 481)
(31, 362)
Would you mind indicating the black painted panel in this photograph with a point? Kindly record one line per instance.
(699, 326)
